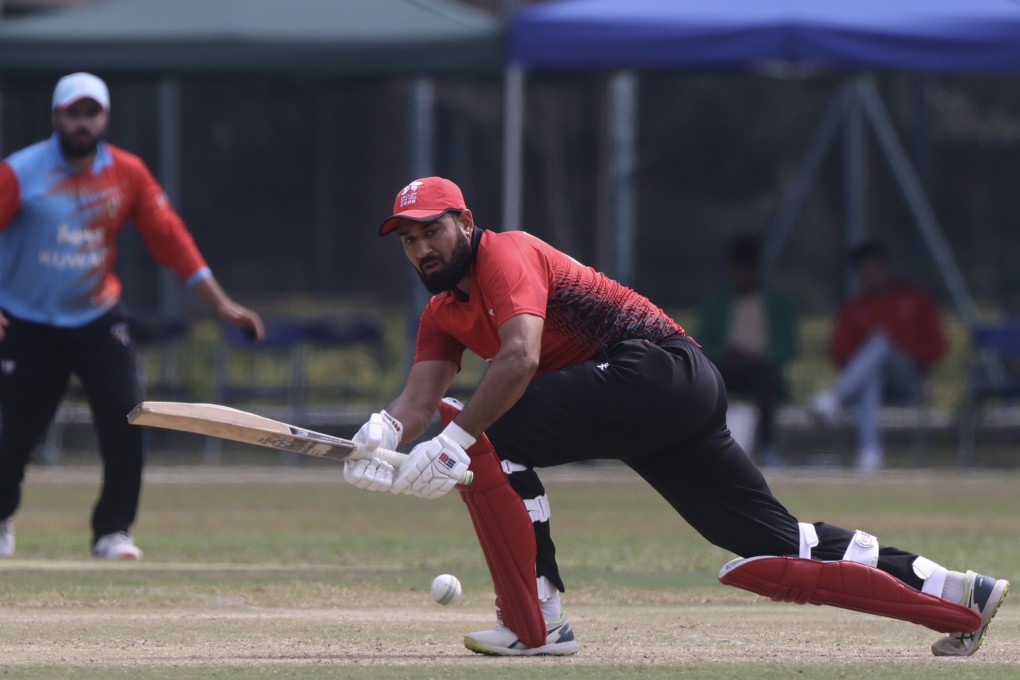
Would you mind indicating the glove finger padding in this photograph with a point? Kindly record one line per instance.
(370, 474)
(432, 468)
(381, 431)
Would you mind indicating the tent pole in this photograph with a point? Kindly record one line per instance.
(169, 97)
(421, 130)
(513, 146)
(853, 184)
(824, 136)
(623, 89)
(924, 216)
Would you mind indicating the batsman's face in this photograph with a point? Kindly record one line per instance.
(440, 251)
(80, 127)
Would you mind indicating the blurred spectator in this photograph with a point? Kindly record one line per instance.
(885, 339)
(749, 330)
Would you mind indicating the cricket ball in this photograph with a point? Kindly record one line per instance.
(445, 589)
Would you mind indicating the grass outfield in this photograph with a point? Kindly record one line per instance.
(287, 572)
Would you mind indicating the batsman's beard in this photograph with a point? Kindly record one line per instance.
(447, 277)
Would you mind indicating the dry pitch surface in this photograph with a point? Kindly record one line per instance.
(365, 626)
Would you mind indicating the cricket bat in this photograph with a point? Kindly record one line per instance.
(225, 422)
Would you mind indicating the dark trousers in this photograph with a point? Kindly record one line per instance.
(36, 364)
(762, 382)
(662, 411)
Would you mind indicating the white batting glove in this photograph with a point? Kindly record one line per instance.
(382, 431)
(370, 474)
(434, 467)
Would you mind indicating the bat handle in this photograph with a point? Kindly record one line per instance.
(396, 459)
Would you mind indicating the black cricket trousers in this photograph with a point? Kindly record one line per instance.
(662, 411)
(36, 364)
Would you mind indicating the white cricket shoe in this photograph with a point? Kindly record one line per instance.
(501, 641)
(826, 407)
(984, 595)
(870, 460)
(7, 537)
(116, 546)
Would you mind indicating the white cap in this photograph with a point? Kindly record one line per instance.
(77, 86)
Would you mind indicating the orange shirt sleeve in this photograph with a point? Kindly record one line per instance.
(162, 229)
(10, 194)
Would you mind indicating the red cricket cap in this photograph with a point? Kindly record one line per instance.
(424, 200)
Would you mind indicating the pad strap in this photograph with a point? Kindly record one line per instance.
(808, 539)
(863, 548)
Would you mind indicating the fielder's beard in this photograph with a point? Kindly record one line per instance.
(449, 276)
(76, 149)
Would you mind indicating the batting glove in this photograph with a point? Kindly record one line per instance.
(370, 474)
(434, 467)
(382, 431)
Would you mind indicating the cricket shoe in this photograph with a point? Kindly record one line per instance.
(984, 595)
(116, 546)
(7, 537)
(501, 641)
(825, 407)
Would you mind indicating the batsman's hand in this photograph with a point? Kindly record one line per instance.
(382, 431)
(434, 467)
(370, 474)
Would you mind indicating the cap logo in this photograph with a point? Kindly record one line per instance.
(409, 195)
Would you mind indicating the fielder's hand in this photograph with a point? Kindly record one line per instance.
(433, 467)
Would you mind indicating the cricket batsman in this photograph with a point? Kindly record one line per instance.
(581, 367)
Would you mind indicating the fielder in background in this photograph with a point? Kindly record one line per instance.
(63, 203)
(582, 367)
(749, 331)
(884, 341)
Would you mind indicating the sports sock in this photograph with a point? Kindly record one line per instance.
(551, 608)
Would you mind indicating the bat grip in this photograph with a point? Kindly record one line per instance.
(396, 459)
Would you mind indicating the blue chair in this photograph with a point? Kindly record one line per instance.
(270, 372)
(356, 350)
(1000, 342)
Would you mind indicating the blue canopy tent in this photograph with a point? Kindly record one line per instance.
(627, 35)
(930, 35)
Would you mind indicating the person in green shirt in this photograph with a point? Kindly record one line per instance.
(749, 330)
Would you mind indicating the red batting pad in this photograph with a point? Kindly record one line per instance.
(507, 538)
(848, 585)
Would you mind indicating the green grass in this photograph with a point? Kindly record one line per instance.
(287, 572)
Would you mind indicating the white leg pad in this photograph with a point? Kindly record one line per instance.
(808, 539)
(934, 576)
(863, 548)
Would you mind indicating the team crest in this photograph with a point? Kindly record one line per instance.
(409, 194)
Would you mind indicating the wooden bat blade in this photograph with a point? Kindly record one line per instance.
(241, 426)
(224, 422)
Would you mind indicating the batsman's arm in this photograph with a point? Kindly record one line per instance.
(508, 375)
(427, 383)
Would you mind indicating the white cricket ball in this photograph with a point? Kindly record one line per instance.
(445, 589)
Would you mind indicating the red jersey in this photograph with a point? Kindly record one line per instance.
(906, 313)
(517, 273)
